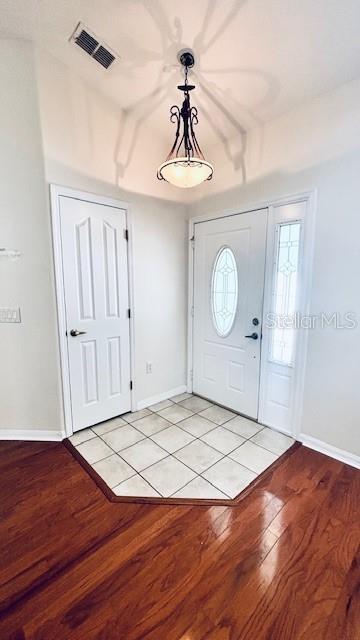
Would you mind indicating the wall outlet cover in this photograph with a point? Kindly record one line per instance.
(10, 315)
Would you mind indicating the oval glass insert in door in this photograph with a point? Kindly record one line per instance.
(224, 291)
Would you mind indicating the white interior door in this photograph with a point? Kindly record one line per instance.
(229, 263)
(95, 271)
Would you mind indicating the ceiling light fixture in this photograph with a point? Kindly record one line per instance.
(185, 165)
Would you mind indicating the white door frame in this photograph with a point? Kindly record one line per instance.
(310, 198)
(56, 191)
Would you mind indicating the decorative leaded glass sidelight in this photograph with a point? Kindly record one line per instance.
(285, 291)
(224, 291)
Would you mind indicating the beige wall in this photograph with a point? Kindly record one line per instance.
(29, 389)
(322, 129)
(72, 144)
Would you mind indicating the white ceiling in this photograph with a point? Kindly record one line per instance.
(256, 59)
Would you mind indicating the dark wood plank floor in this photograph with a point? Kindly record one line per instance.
(281, 565)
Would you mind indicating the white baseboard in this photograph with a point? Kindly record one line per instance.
(333, 452)
(160, 397)
(31, 434)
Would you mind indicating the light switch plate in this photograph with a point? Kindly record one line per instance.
(9, 315)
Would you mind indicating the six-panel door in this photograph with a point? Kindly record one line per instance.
(95, 269)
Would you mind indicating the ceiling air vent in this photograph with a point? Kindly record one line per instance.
(88, 42)
(103, 56)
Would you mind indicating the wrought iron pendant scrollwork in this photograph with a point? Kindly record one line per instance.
(185, 166)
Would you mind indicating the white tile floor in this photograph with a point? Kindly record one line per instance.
(185, 447)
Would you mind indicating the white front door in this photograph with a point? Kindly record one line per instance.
(95, 270)
(229, 263)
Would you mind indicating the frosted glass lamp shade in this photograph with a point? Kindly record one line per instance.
(185, 172)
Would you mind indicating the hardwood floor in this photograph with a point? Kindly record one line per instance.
(280, 565)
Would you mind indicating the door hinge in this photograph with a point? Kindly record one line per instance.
(129, 313)
(191, 375)
(126, 234)
(131, 385)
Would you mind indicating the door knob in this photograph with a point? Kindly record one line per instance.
(253, 336)
(75, 332)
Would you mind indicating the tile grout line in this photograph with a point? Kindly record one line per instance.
(170, 423)
(178, 424)
(198, 475)
(136, 473)
(169, 455)
(203, 441)
(174, 491)
(172, 454)
(249, 439)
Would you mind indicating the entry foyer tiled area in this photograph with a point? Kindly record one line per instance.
(185, 447)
